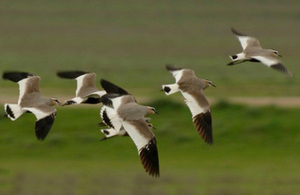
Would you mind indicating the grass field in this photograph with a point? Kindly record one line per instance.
(255, 152)
(129, 43)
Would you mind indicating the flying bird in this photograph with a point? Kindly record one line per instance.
(110, 118)
(253, 52)
(86, 92)
(31, 100)
(129, 117)
(191, 87)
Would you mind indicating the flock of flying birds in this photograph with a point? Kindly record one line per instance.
(120, 113)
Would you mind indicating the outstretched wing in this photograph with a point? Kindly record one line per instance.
(145, 142)
(16, 76)
(246, 41)
(29, 88)
(200, 110)
(45, 118)
(272, 62)
(110, 118)
(85, 81)
(176, 72)
(70, 74)
(112, 88)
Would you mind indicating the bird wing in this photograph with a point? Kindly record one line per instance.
(272, 62)
(70, 74)
(86, 84)
(41, 111)
(111, 118)
(112, 88)
(45, 118)
(200, 110)
(145, 142)
(28, 86)
(176, 72)
(122, 100)
(16, 76)
(246, 41)
(96, 94)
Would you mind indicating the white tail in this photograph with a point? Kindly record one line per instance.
(170, 89)
(13, 111)
(112, 118)
(112, 132)
(239, 56)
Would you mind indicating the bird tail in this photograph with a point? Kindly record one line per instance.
(170, 89)
(237, 58)
(233, 57)
(108, 133)
(13, 111)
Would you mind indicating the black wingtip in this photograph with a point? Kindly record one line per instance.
(16, 76)
(43, 126)
(70, 74)
(109, 87)
(280, 67)
(171, 67)
(236, 32)
(106, 99)
(149, 158)
(203, 123)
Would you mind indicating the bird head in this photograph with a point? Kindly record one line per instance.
(208, 83)
(275, 52)
(151, 110)
(55, 101)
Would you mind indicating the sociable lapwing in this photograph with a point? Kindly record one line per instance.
(191, 87)
(31, 100)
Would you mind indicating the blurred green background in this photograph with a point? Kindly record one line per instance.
(129, 43)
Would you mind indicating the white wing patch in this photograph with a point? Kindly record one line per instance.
(79, 83)
(244, 41)
(39, 114)
(139, 140)
(247, 41)
(269, 61)
(78, 100)
(117, 102)
(193, 105)
(177, 74)
(23, 85)
(96, 94)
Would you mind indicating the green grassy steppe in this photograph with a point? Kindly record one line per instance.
(255, 149)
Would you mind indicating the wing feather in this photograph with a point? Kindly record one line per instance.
(43, 126)
(246, 41)
(200, 110)
(111, 118)
(145, 142)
